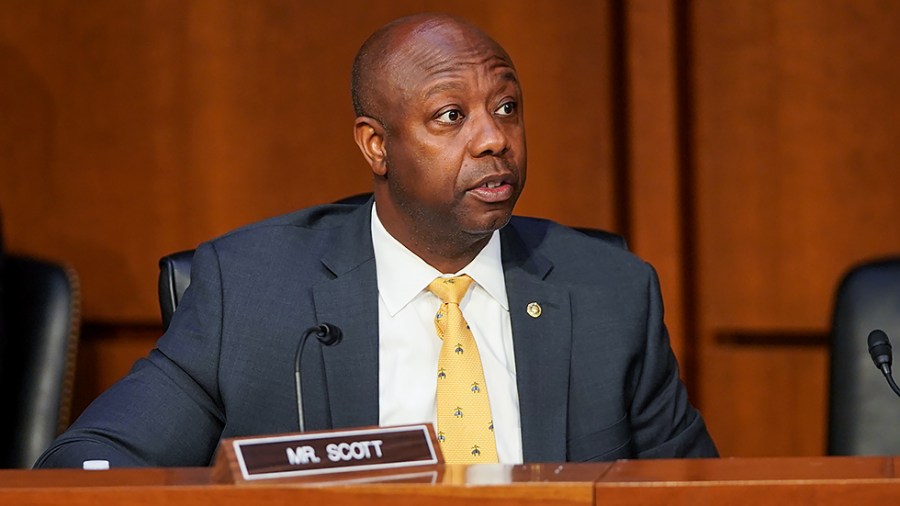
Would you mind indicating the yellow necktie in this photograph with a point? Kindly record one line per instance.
(465, 426)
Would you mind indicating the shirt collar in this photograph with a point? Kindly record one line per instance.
(402, 275)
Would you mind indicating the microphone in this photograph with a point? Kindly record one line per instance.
(880, 351)
(328, 334)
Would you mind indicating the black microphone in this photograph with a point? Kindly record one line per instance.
(880, 351)
(328, 334)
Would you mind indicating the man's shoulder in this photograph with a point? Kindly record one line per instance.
(580, 253)
(549, 237)
(540, 227)
(310, 221)
(291, 245)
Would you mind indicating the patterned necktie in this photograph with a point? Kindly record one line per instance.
(465, 427)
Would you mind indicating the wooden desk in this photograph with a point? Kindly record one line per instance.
(797, 480)
(832, 480)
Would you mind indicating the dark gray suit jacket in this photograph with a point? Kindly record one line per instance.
(597, 379)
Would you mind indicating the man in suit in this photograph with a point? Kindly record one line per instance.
(576, 360)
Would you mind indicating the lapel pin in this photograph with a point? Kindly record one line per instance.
(533, 309)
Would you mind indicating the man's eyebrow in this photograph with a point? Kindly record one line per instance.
(508, 75)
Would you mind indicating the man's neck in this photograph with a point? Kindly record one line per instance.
(447, 254)
(448, 260)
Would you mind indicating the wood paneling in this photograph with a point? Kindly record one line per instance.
(655, 213)
(796, 170)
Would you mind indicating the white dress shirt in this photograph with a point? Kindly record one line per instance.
(409, 346)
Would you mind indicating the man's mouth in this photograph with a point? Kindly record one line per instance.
(493, 191)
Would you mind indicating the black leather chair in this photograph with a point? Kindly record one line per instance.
(40, 309)
(174, 278)
(864, 414)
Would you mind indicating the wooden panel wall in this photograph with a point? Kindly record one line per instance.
(795, 130)
(653, 162)
(746, 148)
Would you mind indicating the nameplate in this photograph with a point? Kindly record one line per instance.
(325, 452)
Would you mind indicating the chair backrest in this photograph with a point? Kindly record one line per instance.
(174, 278)
(41, 313)
(863, 411)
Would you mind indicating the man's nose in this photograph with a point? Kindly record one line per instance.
(488, 136)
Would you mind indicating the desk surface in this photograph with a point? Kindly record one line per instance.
(827, 480)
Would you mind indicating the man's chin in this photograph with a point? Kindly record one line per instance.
(489, 223)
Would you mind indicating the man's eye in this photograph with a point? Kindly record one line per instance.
(451, 116)
(506, 109)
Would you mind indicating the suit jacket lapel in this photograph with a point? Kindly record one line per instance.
(542, 347)
(350, 301)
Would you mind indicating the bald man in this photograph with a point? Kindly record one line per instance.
(575, 363)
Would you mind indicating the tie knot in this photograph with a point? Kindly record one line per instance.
(450, 290)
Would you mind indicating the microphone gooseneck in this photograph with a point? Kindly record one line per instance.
(880, 351)
(328, 334)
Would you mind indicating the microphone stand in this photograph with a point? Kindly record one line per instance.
(886, 370)
(327, 334)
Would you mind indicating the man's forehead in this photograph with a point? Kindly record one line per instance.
(436, 50)
(406, 56)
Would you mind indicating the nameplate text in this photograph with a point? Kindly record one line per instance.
(337, 451)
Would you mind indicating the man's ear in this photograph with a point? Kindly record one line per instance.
(369, 135)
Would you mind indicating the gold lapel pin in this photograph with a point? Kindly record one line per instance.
(533, 309)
